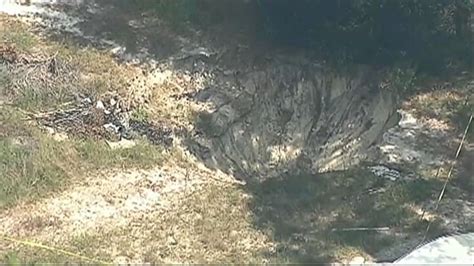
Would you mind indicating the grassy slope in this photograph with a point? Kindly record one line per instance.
(33, 162)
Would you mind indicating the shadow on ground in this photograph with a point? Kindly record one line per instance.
(145, 28)
(310, 216)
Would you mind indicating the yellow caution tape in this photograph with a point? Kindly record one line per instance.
(53, 249)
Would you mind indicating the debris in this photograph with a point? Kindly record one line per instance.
(454, 249)
(385, 172)
(86, 100)
(112, 102)
(350, 229)
(118, 50)
(357, 260)
(100, 105)
(112, 128)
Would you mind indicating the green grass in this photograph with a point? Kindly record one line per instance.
(140, 115)
(22, 39)
(33, 163)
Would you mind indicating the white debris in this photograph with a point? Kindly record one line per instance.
(385, 172)
(202, 51)
(458, 249)
(119, 50)
(111, 128)
(359, 260)
(112, 102)
(86, 100)
(100, 105)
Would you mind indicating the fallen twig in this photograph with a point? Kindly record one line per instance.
(350, 229)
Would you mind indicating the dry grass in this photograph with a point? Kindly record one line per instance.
(448, 102)
(87, 70)
(212, 225)
(33, 162)
(288, 220)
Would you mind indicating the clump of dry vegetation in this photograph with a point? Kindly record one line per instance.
(40, 81)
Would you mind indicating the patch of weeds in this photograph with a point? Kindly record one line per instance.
(460, 117)
(98, 155)
(32, 163)
(402, 79)
(82, 245)
(16, 33)
(215, 220)
(37, 256)
(30, 168)
(11, 259)
(212, 225)
(11, 123)
(5, 79)
(419, 226)
(37, 97)
(365, 242)
(100, 72)
(78, 70)
(140, 115)
(179, 157)
(420, 190)
(88, 245)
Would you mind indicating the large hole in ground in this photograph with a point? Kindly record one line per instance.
(292, 117)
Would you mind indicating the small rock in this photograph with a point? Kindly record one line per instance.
(112, 102)
(100, 105)
(359, 260)
(112, 128)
